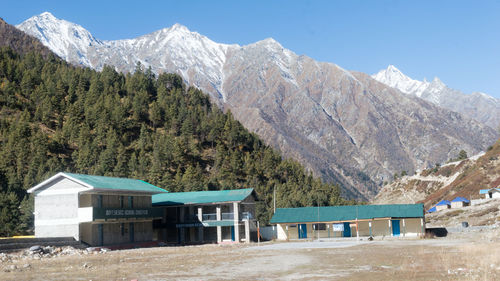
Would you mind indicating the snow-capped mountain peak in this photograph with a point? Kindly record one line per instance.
(393, 77)
(180, 27)
(437, 81)
(66, 39)
(478, 106)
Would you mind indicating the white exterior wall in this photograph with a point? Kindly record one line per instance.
(281, 231)
(495, 194)
(56, 209)
(442, 207)
(413, 227)
(457, 204)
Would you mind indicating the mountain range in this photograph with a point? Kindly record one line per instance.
(477, 105)
(344, 126)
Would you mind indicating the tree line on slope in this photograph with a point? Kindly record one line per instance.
(56, 117)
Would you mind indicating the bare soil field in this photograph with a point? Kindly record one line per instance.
(476, 257)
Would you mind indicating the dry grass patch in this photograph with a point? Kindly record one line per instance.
(485, 212)
(454, 213)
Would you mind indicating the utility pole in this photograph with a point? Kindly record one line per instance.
(274, 199)
(317, 226)
(258, 233)
(357, 231)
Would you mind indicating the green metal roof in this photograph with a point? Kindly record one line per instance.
(347, 213)
(200, 197)
(110, 183)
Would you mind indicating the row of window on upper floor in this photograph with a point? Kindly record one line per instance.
(114, 201)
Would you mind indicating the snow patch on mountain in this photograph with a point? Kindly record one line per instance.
(395, 78)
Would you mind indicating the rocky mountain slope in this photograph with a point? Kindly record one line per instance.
(344, 126)
(460, 178)
(479, 106)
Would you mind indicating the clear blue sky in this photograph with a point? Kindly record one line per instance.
(458, 41)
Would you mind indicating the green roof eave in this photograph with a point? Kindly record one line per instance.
(201, 197)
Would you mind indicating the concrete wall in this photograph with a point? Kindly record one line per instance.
(380, 228)
(269, 232)
(56, 209)
(281, 232)
(413, 227)
(86, 233)
(86, 201)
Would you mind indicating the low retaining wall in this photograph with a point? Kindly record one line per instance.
(11, 244)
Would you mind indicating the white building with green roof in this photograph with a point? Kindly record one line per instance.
(216, 216)
(400, 220)
(95, 210)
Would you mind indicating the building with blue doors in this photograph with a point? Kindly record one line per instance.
(404, 220)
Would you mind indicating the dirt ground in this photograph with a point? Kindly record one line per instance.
(451, 258)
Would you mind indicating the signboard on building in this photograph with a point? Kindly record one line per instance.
(338, 227)
(114, 213)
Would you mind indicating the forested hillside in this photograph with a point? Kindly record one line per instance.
(56, 117)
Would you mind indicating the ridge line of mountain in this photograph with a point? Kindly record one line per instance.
(288, 100)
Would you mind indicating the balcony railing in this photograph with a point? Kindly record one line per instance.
(226, 216)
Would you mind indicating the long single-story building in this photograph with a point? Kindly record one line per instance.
(94, 209)
(206, 216)
(349, 221)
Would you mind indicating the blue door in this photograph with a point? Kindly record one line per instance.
(347, 229)
(302, 231)
(395, 227)
(232, 233)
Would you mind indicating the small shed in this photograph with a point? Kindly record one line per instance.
(460, 202)
(445, 204)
